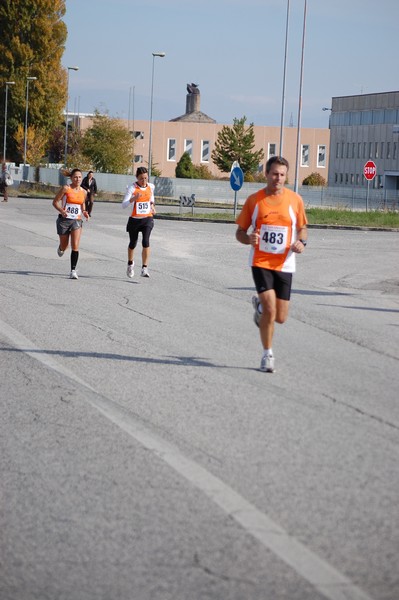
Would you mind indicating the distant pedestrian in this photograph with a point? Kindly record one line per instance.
(140, 198)
(5, 181)
(70, 203)
(277, 219)
(90, 185)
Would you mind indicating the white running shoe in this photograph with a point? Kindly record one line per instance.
(267, 364)
(256, 305)
(130, 271)
(73, 275)
(144, 272)
(60, 252)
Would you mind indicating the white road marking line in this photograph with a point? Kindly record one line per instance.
(327, 580)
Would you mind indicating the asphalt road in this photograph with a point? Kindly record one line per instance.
(145, 457)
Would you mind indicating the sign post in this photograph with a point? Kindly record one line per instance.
(369, 171)
(236, 181)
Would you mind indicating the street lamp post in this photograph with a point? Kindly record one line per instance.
(161, 55)
(66, 114)
(5, 119)
(284, 81)
(298, 137)
(28, 79)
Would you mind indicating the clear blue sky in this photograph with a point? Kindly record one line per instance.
(234, 51)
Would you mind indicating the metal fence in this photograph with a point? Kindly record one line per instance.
(220, 192)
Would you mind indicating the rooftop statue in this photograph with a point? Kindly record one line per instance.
(192, 88)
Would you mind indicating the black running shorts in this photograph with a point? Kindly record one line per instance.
(135, 226)
(266, 279)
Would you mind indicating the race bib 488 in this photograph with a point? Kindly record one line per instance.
(73, 211)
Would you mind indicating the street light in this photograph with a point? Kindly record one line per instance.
(5, 119)
(66, 118)
(298, 137)
(161, 55)
(284, 81)
(28, 79)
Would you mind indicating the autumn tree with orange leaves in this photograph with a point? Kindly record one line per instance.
(32, 43)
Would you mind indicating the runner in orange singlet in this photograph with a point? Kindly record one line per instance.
(277, 219)
(70, 203)
(140, 198)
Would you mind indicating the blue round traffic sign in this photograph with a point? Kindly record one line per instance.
(236, 179)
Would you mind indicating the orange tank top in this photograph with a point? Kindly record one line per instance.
(142, 207)
(72, 201)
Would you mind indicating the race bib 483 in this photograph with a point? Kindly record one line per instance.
(273, 239)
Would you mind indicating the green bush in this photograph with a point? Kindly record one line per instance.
(315, 179)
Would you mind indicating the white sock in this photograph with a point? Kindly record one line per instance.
(267, 352)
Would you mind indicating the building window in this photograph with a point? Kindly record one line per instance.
(352, 178)
(205, 145)
(138, 158)
(347, 149)
(346, 178)
(138, 135)
(271, 150)
(305, 155)
(321, 156)
(364, 149)
(341, 177)
(171, 149)
(376, 150)
(382, 150)
(336, 178)
(342, 149)
(378, 117)
(188, 147)
(370, 149)
(353, 149)
(359, 150)
(395, 149)
(390, 116)
(337, 152)
(366, 117)
(357, 178)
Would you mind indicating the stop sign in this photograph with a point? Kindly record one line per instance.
(370, 170)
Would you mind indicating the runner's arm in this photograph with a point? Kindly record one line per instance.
(57, 200)
(248, 239)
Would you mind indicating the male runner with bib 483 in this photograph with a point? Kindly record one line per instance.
(276, 216)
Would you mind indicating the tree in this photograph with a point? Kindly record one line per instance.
(36, 140)
(56, 145)
(108, 145)
(184, 167)
(237, 143)
(314, 179)
(32, 42)
(201, 172)
(155, 170)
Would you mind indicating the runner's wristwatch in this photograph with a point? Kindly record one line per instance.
(304, 242)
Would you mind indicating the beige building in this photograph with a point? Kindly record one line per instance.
(196, 133)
